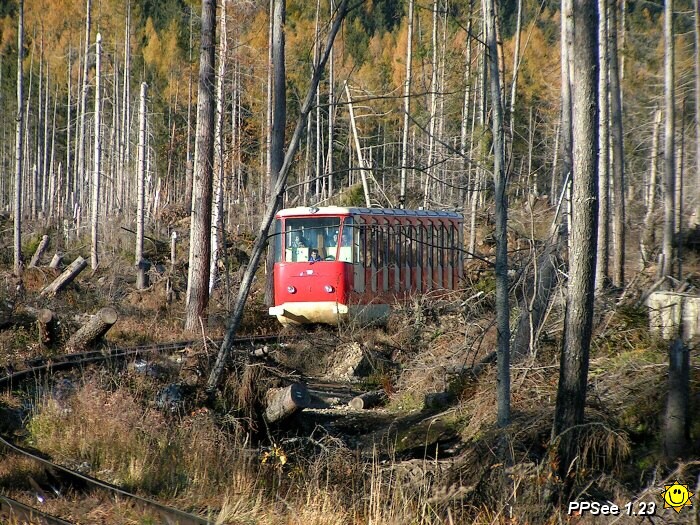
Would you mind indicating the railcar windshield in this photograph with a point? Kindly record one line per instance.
(311, 238)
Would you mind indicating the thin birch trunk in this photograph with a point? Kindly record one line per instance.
(188, 158)
(18, 144)
(80, 166)
(217, 225)
(331, 114)
(648, 234)
(140, 180)
(429, 171)
(360, 160)
(406, 105)
(604, 150)
(279, 118)
(516, 67)
(97, 156)
(618, 159)
(669, 145)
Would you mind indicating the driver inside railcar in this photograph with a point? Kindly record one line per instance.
(304, 234)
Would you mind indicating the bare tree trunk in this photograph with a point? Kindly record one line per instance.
(123, 155)
(188, 156)
(573, 372)
(217, 223)
(97, 157)
(676, 418)
(648, 234)
(19, 159)
(516, 66)
(273, 204)
(695, 217)
(618, 156)
(360, 160)
(200, 229)
(566, 142)
(499, 180)
(141, 276)
(669, 144)
(331, 116)
(406, 105)
(279, 120)
(604, 150)
(80, 167)
(429, 170)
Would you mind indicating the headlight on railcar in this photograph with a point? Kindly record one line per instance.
(328, 288)
(291, 289)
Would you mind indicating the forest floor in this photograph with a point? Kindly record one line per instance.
(432, 454)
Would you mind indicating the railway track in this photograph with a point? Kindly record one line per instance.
(22, 513)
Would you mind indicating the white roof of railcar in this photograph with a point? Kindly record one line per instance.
(340, 210)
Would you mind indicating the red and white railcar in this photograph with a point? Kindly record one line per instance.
(368, 258)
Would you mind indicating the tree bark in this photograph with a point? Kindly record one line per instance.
(406, 105)
(618, 155)
(19, 151)
(499, 180)
(676, 418)
(279, 119)
(573, 372)
(39, 251)
(141, 279)
(97, 154)
(85, 86)
(695, 218)
(602, 275)
(200, 229)
(90, 332)
(280, 403)
(648, 235)
(669, 143)
(66, 277)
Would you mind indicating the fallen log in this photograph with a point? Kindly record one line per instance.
(284, 401)
(66, 277)
(43, 244)
(90, 332)
(369, 400)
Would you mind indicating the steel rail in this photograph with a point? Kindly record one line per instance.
(10, 508)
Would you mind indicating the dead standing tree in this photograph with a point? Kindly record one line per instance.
(18, 144)
(200, 229)
(275, 198)
(573, 372)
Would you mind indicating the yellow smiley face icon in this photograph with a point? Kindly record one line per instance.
(676, 496)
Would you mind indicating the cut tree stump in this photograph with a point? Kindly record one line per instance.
(369, 400)
(47, 323)
(284, 401)
(56, 261)
(66, 277)
(90, 332)
(39, 251)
